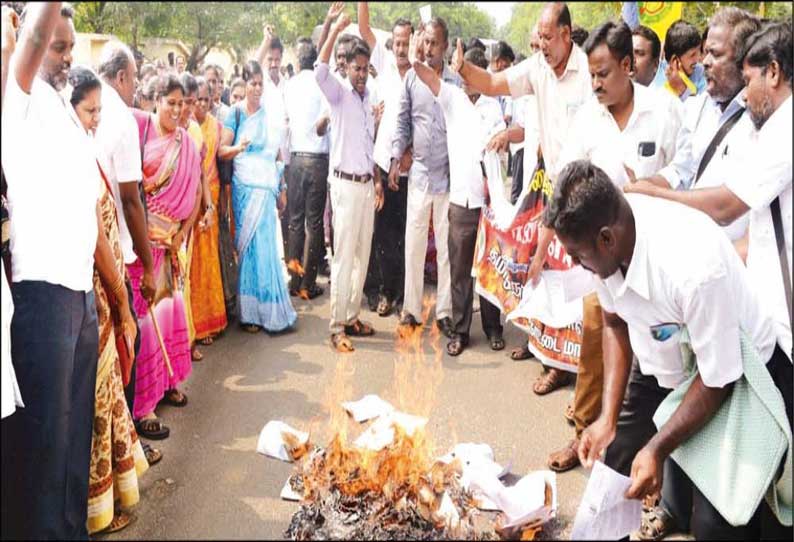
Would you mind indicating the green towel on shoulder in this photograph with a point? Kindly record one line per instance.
(734, 459)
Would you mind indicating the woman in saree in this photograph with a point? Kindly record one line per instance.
(206, 288)
(252, 135)
(172, 185)
(117, 458)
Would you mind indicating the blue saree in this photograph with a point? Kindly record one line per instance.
(263, 295)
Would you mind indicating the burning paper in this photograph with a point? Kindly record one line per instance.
(367, 408)
(604, 513)
(381, 433)
(290, 490)
(476, 460)
(281, 441)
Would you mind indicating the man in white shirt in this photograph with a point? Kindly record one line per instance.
(755, 185)
(469, 129)
(624, 125)
(307, 178)
(654, 290)
(120, 158)
(355, 185)
(709, 114)
(388, 241)
(53, 188)
(560, 80)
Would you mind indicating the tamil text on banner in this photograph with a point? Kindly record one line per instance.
(506, 240)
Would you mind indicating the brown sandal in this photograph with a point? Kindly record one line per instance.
(341, 343)
(359, 329)
(195, 354)
(119, 522)
(251, 328)
(553, 379)
(206, 341)
(656, 524)
(566, 458)
(520, 353)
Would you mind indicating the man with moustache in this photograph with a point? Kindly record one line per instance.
(54, 336)
(388, 243)
(420, 123)
(355, 185)
(647, 50)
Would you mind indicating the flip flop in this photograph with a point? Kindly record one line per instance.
(169, 399)
(569, 414)
(497, 342)
(456, 346)
(153, 455)
(359, 329)
(152, 429)
(656, 524)
(119, 522)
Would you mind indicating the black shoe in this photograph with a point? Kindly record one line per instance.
(324, 269)
(496, 342)
(457, 345)
(445, 326)
(408, 320)
(385, 305)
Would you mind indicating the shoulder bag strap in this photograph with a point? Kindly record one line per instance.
(777, 221)
(718, 137)
(140, 184)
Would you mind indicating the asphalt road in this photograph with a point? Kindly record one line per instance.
(211, 483)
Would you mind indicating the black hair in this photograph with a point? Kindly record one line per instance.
(250, 69)
(306, 53)
(115, 58)
(358, 47)
(584, 201)
(67, 10)
(563, 13)
(503, 50)
(773, 43)
(440, 23)
(520, 57)
(166, 84)
(344, 43)
(650, 35)
(275, 44)
(402, 21)
(616, 36)
(389, 43)
(680, 38)
(236, 82)
(188, 83)
(743, 24)
(476, 56)
(147, 69)
(579, 35)
(213, 67)
(474, 43)
(82, 80)
(149, 90)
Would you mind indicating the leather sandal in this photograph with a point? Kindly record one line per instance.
(359, 329)
(119, 522)
(457, 345)
(153, 455)
(170, 398)
(520, 353)
(341, 343)
(656, 524)
(569, 414)
(385, 306)
(554, 379)
(566, 458)
(152, 429)
(195, 354)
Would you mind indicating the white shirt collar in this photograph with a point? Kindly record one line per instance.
(779, 121)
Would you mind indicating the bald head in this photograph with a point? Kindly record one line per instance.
(556, 13)
(554, 28)
(118, 68)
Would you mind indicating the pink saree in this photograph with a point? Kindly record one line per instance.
(171, 174)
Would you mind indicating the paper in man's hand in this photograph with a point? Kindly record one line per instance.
(604, 513)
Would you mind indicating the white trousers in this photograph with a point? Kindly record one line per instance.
(353, 220)
(417, 224)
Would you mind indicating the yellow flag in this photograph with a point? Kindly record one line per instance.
(658, 16)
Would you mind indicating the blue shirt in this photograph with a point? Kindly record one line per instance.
(420, 122)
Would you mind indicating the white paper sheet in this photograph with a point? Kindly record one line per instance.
(524, 502)
(289, 494)
(381, 433)
(367, 408)
(271, 443)
(604, 513)
(425, 13)
(476, 460)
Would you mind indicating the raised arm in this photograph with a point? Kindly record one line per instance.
(363, 24)
(490, 84)
(428, 77)
(331, 88)
(267, 37)
(39, 26)
(334, 11)
(10, 22)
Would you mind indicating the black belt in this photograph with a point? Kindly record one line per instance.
(310, 154)
(352, 177)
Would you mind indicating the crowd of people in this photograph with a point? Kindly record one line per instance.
(147, 208)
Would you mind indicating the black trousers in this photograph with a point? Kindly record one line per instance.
(284, 218)
(518, 175)
(462, 238)
(386, 272)
(129, 390)
(690, 508)
(47, 444)
(307, 185)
